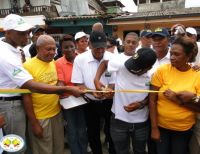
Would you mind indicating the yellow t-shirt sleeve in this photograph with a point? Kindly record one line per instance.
(157, 78)
(197, 86)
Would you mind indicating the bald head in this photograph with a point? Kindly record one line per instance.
(97, 27)
(44, 39)
(46, 48)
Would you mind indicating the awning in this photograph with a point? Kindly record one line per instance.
(33, 20)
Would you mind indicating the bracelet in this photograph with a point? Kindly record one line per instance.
(196, 99)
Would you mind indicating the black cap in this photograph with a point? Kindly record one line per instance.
(36, 29)
(142, 59)
(146, 33)
(98, 39)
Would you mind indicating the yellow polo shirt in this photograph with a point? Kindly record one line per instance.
(170, 115)
(44, 105)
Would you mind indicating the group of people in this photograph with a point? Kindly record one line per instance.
(148, 95)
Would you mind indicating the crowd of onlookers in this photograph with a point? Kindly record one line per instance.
(144, 93)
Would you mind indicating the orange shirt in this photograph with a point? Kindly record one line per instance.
(64, 71)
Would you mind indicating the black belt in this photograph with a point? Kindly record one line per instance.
(14, 98)
(87, 99)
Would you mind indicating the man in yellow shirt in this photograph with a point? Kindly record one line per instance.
(43, 110)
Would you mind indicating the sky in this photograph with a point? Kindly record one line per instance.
(129, 6)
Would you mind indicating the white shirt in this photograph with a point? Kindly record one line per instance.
(26, 51)
(84, 70)
(128, 81)
(116, 52)
(12, 73)
(197, 59)
(164, 60)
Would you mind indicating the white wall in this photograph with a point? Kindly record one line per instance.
(5, 4)
(78, 7)
(192, 3)
(40, 2)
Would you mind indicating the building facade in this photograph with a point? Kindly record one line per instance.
(156, 13)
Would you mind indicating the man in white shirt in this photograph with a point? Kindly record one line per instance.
(130, 113)
(145, 39)
(160, 43)
(84, 70)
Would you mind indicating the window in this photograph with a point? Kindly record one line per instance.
(167, 0)
(142, 1)
(155, 1)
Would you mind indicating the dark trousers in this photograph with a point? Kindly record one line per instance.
(174, 142)
(122, 132)
(94, 111)
(151, 144)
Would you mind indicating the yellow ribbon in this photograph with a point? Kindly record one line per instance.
(126, 91)
(12, 91)
(26, 91)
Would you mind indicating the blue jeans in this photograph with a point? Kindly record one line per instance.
(76, 130)
(173, 142)
(121, 132)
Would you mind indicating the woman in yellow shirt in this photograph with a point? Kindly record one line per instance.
(171, 120)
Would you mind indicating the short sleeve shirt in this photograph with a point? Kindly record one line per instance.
(12, 73)
(85, 68)
(170, 115)
(64, 72)
(128, 81)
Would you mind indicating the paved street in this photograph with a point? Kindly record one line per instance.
(105, 151)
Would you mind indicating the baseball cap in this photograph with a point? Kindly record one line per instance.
(15, 22)
(161, 32)
(98, 39)
(146, 33)
(78, 35)
(142, 59)
(191, 30)
(37, 28)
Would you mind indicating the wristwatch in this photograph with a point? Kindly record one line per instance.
(196, 99)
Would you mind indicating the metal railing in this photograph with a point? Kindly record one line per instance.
(33, 10)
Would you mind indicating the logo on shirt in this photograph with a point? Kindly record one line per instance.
(108, 74)
(16, 71)
(148, 83)
(12, 143)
